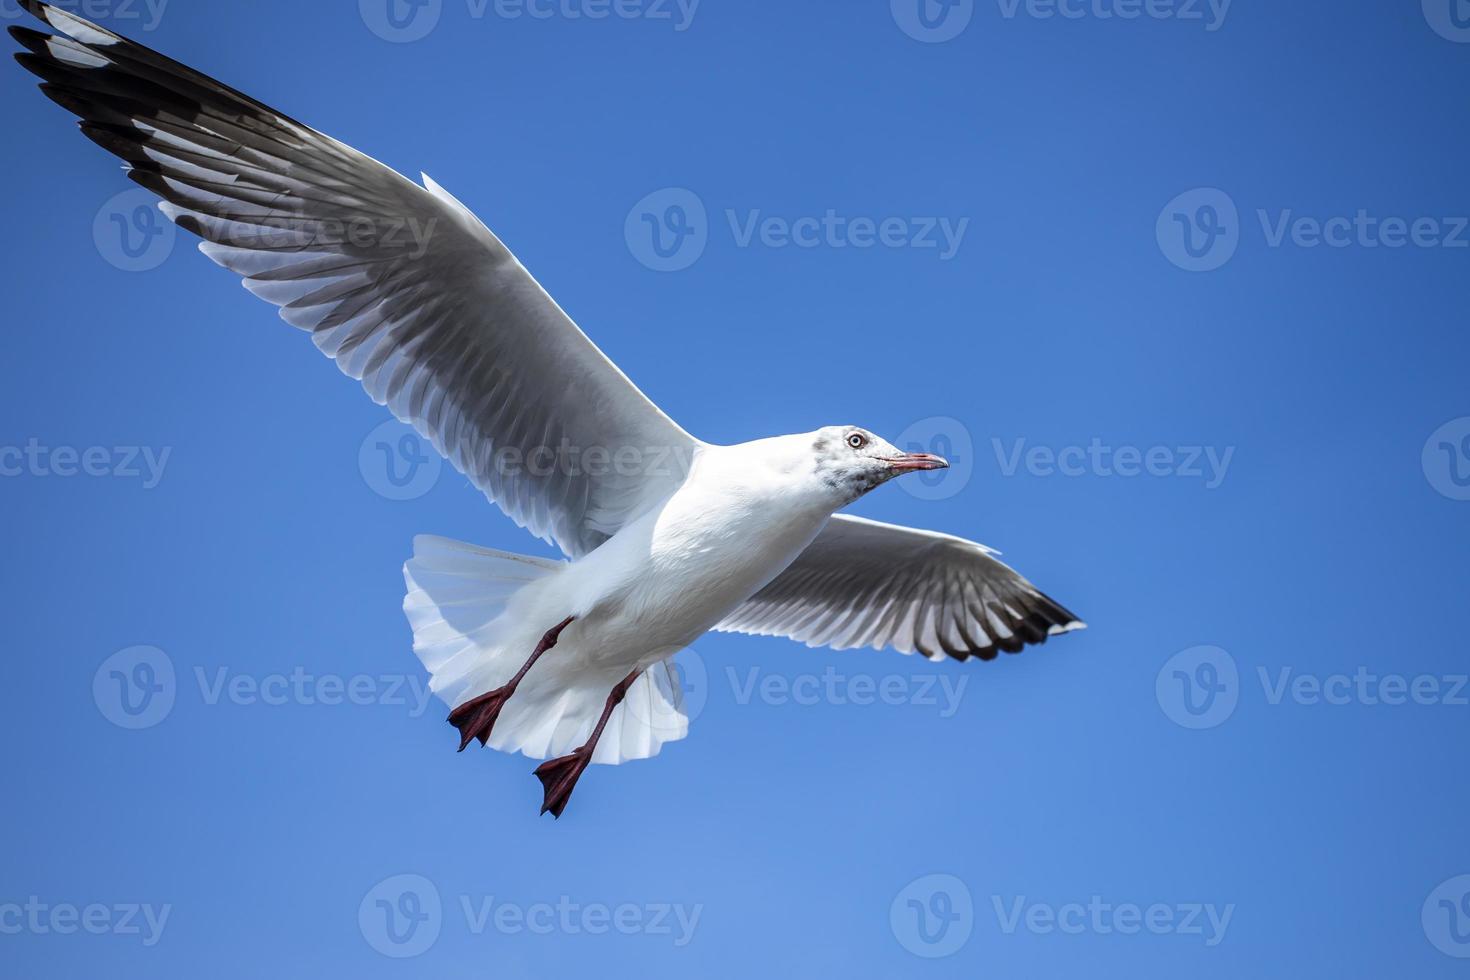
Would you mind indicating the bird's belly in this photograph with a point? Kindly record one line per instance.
(682, 574)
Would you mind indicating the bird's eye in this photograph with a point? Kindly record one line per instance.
(857, 440)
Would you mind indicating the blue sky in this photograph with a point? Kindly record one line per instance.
(1181, 288)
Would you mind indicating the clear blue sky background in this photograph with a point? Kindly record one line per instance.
(794, 828)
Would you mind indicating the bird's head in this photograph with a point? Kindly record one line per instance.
(852, 461)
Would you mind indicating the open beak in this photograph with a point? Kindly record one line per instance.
(910, 462)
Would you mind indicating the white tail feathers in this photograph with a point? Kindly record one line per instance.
(475, 622)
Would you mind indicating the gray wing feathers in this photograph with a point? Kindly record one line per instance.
(399, 284)
(862, 583)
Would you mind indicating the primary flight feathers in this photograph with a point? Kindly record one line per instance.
(409, 293)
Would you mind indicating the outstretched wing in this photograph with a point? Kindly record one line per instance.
(399, 284)
(866, 584)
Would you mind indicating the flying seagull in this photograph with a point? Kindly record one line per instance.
(666, 537)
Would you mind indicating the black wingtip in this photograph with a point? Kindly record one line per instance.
(28, 36)
(40, 11)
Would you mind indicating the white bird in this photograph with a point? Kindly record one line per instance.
(667, 537)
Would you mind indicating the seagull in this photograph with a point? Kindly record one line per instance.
(666, 537)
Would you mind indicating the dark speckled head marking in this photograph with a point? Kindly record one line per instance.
(852, 461)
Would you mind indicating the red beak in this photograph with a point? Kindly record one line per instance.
(910, 462)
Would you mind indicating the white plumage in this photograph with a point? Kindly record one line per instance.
(409, 293)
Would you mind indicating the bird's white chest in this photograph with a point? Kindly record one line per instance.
(676, 572)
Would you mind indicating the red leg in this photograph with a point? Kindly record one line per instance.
(559, 776)
(475, 718)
